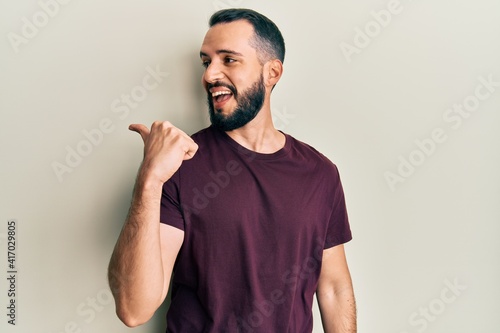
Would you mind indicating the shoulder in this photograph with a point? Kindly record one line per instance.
(209, 139)
(203, 135)
(306, 152)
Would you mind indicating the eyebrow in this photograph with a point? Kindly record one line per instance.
(203, 54)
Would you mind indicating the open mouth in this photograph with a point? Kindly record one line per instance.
(220, 97)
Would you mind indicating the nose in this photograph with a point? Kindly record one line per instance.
(212, 73)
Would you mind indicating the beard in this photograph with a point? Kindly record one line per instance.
(250, 102)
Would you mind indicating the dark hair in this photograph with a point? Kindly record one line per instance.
(268, 40)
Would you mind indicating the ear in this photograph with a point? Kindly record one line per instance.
(274, 70)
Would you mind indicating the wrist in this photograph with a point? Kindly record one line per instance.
(148, 182)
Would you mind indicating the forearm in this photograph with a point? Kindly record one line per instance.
(338, 309)
(136, 273)
(145, 253)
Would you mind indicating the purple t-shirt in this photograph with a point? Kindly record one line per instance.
(255, 229)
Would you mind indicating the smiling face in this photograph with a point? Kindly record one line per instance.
(233, 77)
(249, 103)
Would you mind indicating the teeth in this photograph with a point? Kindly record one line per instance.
(218, 93)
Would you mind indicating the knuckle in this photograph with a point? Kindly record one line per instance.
(156, 124)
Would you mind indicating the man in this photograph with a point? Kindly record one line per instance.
(253, 221)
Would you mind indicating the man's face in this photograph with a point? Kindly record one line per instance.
(233, 75)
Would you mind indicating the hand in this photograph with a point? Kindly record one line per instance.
(165, 147)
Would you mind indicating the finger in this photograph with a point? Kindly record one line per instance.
(191, 150)
(141, 129)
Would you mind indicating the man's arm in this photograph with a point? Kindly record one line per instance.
(141, 264)
(335, 293)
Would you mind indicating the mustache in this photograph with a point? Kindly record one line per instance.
(222, 84)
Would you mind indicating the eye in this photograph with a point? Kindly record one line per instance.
(205, 63)
(229, 60)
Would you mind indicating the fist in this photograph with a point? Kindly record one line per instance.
(165, 147)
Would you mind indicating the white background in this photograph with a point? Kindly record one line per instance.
(437, 225)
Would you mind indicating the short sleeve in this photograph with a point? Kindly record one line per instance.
(339, 231)
(170, 209)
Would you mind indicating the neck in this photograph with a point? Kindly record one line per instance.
(260, 135)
